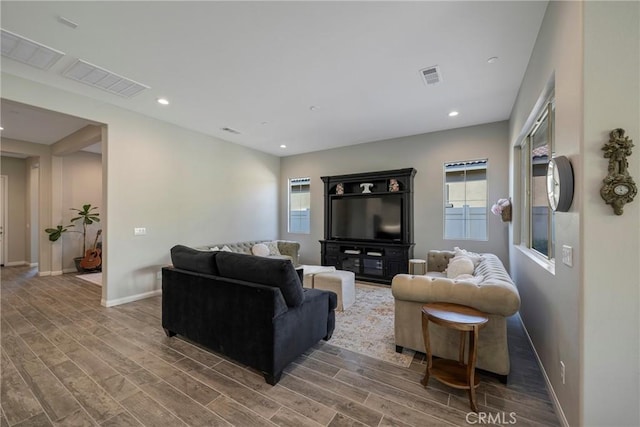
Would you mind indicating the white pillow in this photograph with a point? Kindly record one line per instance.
(226, 248)
(214, 249)
(471, 255)
(273, 248)
(260, 249)
(459, 265)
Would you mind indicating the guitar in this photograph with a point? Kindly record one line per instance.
(91, 258)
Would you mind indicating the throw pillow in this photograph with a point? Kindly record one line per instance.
(459, 265)
(214, 249)
(226, 248)
(471, 255)
(273, 248)
(260, 249)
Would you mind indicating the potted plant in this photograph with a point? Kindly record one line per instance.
(88, 216)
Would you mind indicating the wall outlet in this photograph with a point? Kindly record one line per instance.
(562, 371)
(567, 255)
(139, 231)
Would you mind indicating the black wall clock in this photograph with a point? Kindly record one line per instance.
(560, 184)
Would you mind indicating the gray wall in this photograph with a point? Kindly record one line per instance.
(16, 171)
(81, 184)
(426, 153)
(585, 315)
(182, 186)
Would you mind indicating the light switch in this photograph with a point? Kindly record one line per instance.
(139, 231)
(567, 255)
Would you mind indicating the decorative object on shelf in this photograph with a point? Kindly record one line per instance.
(394, 185)
(339, 188)
(560, 184)
(502, 208)
(619, 187)
(366, 187)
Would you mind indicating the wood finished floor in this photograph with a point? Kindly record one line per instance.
(66, 360)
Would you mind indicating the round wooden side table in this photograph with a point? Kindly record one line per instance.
(455, 373)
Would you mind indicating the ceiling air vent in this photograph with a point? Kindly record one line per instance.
(28, 52)
(100, 78)
(431, 75)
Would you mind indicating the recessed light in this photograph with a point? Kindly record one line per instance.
(264, 123)
(1, 128)
(313, 108)
(453, 114)
(163, 101)
(283, 146)
(492, 59)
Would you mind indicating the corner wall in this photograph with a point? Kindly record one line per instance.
(182, 186)
(586, 315)
(611, 280)
(426, 153)
(16, 171)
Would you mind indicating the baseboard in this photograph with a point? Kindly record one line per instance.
(15, 263)
(69, 270)
(33, 264)
(44, 273)
(132, 298)
(57, 273)
(554, 397)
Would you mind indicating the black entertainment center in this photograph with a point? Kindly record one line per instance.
(368, 223)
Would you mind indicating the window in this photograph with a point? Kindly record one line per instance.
(538, 219)
(299, 205)
(465, 200)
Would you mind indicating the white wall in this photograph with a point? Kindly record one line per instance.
(586, 315)
(426, 153)
(16, 172)
(611, 290)
(183, 186)
(81, 184)
(551, 299)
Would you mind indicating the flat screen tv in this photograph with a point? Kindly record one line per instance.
(367, 218)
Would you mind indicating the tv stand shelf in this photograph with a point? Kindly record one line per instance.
(364, 261)
(369, 223)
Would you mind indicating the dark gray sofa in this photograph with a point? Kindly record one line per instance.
(251, 309)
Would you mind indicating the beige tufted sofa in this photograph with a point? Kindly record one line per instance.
(495, 295)
(288, 249)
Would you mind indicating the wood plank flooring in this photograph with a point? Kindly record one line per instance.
(66, 360)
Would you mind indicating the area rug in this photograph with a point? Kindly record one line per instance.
(367, 326)
(95, 278)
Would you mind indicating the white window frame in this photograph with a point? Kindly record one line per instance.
(292, 228)
(547, 111)
(466, 219)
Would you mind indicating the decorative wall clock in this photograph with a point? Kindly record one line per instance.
(618, 188)
(560, 184)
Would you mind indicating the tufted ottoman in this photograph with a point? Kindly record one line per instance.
(341, 282)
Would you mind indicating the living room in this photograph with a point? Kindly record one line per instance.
(187, 187)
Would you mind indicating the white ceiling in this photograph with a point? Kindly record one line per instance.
(258, 67)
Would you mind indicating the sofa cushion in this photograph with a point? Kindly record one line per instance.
(459, 265)
(279, 273)
(273, 248)
(260, 249)
(186, 258)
